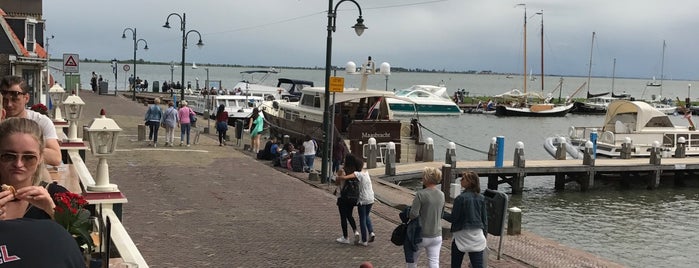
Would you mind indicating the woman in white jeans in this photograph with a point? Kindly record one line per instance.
(428, 206)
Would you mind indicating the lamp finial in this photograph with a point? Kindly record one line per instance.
(102, 112)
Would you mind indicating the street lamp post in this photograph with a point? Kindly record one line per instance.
(48, 69)
(359, 29)
(135, 47)
(185, 33)
(206, 86)
(114, 69)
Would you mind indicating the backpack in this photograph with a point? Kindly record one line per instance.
(350, 191)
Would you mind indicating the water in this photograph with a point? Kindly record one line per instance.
(634, 227)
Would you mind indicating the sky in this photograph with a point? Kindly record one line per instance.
(451, 35)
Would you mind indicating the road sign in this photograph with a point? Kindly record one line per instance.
(126, 67)
(337, 84)
(71, 63)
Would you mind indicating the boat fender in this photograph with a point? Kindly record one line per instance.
(572, 133)
(607, 137)
(275, 105)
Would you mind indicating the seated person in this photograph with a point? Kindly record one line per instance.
(15, 92)
(38, 244)
(274, 149)
(21, 163)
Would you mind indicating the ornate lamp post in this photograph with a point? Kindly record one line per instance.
(73, 105)
(359, 29)
(185, 33)
(103, 140)
(135, 47)
(57, 93)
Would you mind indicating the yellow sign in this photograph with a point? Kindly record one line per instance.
(337, 84)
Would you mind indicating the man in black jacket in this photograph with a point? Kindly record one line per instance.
(37, 243)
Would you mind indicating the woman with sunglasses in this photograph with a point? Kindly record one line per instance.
(21, 163)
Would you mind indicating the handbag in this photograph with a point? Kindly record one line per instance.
(399, 233)
(192, 118)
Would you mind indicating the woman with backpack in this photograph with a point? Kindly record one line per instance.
(347, 194)
(366, 195)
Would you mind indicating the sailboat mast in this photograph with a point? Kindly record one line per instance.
(542, 50)
(589, 70)
(525, 48)
(662, 69)
(613, 75)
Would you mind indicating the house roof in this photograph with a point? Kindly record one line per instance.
(17, 44)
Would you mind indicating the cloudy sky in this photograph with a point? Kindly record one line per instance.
(452, 35)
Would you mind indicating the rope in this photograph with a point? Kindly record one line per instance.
(459, 144)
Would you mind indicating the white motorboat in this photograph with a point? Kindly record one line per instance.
(237, 106)
(640, 122)
(425, 100)
(285, 89)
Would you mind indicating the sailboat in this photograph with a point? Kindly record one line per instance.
(665, 106)
(516, 103)
(194, 65)
(596, 103)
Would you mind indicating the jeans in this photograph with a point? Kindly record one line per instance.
(309, 159)
(221, 136)
(365, 221)
(184, 128)
(346, 216)
(457, 257)
(336, 164)
(432, 245)
(153, 131)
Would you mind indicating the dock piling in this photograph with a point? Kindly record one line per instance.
(588, 159)
(446, 182)
(450, 157)
(519, 160)
(390, 159)
(626, 148)
(514, 221)
(681, 150)
(428, 155)
(500, 157)
(493, 149)
(371, 154)
(561, 149)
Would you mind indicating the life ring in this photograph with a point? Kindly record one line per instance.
(572, 133)
(607, 137)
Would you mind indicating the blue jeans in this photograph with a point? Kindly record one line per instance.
(457, 257)
(153, 131)
(309, 159)
(365, 221)
(184, 129)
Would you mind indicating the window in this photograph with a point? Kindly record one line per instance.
(30, 39)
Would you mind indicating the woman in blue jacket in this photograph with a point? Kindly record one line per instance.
(469, 223)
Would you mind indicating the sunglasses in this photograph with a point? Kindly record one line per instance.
(27, 159)
(14, 95)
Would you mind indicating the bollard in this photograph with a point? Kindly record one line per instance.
(588, 160)
(593, 139)
(561, 149)
(141, 132)
(371, 152)
(519, 155)
(429, 150)
(390, 159)
(626, 149)
(500, 156)
(446, 182)
(655, 153)
(206, 130)
(313, 176)
(450, 157)
(493, 149)
(514, 221)
(681, 150)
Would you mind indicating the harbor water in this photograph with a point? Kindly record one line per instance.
(635, 227)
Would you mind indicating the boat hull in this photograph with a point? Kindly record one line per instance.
(584, 108)
(408, 109)
(502, 110)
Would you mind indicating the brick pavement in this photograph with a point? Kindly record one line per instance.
(211, 206)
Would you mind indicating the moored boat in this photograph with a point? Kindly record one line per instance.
(426, 100)
(285, 89)
(237, 106)
(642, 124)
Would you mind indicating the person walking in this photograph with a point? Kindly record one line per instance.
(428, 206)
(366, 195)
(469, 223)
(309, 153)
(347, 193)
(255, 127)
(153, 118)
(170, 119)
(221, 124)
(339, 152)
(184, 121)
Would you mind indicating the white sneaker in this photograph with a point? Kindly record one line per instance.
(366, 244)
(372, 236)
(356, 238)
(342, 240)
(155, 145)
(187, 145)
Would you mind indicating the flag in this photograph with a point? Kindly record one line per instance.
(50, 104)
(371, 110)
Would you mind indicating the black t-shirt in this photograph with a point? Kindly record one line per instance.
(35, 212)
(37, 243)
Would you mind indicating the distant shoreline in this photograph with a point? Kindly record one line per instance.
(393, 69)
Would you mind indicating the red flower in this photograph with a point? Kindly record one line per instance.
(40, 108)
(70, 213)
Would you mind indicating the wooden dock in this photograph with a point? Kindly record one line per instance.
(564, 171)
